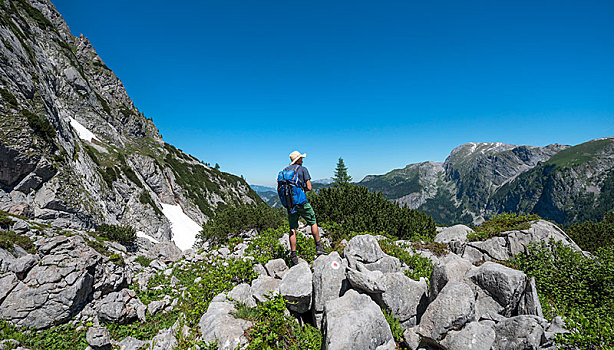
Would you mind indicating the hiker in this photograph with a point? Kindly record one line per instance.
(292, 183)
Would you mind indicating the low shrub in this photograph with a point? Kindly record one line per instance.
(125, 235)
(419, 265)
(274, 330)
(233, 220)
(578, 287)
(143, 261)
(40, 125)
(63, 337)
(395, 327)
(591, 236)
(9, 238)
(355, 209)
(501, 223)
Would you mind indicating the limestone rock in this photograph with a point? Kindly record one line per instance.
(296, 287)
(453, 307)
(474, 336)
(98, 337)
(518, 333)
(121, 307)
(276, 268)
(22, 266)
(264, 286)
(365, 249)
(365, 280)
(56, 288)
(450, 268)
(354, 321)
(405, 298)
(502, 283)
(130, 343)
(217, 324)
(242, 293)
(453, 233)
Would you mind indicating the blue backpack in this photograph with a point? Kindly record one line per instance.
(290, 189)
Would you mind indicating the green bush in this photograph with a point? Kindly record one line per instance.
(266, 246)
(8, 97)
(124, 235)
(419, 265)
(145, 198)
(40, 125)
(63, 337)
(395, 327)
(143, 261)
(233, 220)
(274, 330)
(578, 287)
(5, 221)
(501, 223)
(591, 236)
(355, 209)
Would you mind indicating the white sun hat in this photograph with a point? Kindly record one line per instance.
(295, 156)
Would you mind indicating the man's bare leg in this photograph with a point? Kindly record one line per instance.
(315, 233)
(293, 239)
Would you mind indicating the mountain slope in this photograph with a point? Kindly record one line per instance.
(576, 184)
(74, 150)
(479, 180)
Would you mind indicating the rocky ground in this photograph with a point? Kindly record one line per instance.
(60, 284)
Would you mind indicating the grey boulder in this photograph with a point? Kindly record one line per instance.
(474, 336)
(503, 284)
(453, 308)
(354, 321)
(453, 233)
(130, 343)
(243, 294)
(405, 298)
(296, 287)
(519, 333)
(365, 249)
(265, 286)
(449, 268)
(365, 280)
(121, 307)
(276, 268)
(98, 337)
(22, 266)
(329, 281)
(218, 324)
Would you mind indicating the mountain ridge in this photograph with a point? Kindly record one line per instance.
(465, 188)
(75, 151)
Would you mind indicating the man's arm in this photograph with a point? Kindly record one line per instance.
(308, 185)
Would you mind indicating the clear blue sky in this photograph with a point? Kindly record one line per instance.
(380, 83)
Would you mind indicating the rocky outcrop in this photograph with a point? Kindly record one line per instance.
(57, 287)
(509, 244)
(296, 287)
(75, 151)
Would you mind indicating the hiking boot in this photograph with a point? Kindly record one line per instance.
(293, 260)
(320, 250)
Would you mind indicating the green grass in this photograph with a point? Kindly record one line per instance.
(579, 154)
(501, 223)
(145, 198)
(8, 97)
(10, 238)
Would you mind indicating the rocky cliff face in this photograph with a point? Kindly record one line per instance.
(481, 179)
(74, 150)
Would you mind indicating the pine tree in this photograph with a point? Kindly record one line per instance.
(341, 173)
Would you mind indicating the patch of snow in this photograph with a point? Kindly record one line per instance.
(144, 235)
(82, 131)
(184, 229)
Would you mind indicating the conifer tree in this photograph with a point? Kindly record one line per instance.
(341, 173)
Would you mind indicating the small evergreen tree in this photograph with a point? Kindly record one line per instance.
(217, 166)
(341, 173)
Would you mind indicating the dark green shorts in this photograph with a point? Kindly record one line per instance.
(306, 212)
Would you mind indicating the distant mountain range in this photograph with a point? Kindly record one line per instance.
(477, 180)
